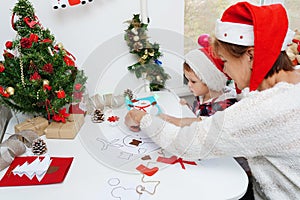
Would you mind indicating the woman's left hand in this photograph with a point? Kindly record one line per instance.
(133, 118)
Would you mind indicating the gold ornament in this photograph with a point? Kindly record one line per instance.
(10, 90)
(45, 82)
(158, 78)
(151, 52)
(60, 45)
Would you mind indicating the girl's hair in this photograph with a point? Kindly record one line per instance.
(187, 68)
(282, 63)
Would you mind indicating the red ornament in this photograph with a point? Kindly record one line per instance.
(2, 68)
(61, 116)
(3, 92)
(26, 43)
(35, 76)
(8, 44)
(61, 94)
(6, 54)
(78, 86)
(33, 37)
(47, 87)
(69, 61)
(48, 68)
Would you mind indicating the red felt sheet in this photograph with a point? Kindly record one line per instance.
(56, 173)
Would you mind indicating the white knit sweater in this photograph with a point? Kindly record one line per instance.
(263, 127)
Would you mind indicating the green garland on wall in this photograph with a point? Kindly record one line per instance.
(148, 65)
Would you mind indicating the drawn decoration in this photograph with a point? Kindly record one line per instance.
(62, 4)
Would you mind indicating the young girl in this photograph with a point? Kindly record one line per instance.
(208, 85)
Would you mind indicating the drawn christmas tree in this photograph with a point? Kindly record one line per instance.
(37, 76)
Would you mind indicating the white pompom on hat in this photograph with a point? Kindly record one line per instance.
(207, 68)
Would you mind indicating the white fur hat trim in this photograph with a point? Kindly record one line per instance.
(206, 70)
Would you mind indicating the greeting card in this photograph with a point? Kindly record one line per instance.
(146, 104)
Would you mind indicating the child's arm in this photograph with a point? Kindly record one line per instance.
(181, 122)
(183, 102)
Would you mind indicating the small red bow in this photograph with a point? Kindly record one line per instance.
(29, 22)
(173, 159)
(298, 43)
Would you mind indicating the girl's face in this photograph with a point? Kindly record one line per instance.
(197, 87)
(239, 69)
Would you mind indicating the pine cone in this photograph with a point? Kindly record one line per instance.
(98, 116)
(128, 93)
(39, 147)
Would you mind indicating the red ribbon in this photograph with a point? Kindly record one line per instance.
(142, 107)
(12, 21)
(48, 112)
(173, 159)
(68, 53)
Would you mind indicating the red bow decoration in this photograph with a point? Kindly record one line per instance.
(298, 43)
(173, 159)
(29, 22)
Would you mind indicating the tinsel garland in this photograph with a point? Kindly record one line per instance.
(148, 65)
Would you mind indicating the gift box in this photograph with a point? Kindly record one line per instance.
(37, 124)
(68, 130)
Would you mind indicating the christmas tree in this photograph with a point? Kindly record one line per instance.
(37, 75)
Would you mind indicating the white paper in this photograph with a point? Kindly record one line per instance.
(36, 168)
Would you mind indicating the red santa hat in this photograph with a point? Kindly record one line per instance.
(264, 27)
(207, 68)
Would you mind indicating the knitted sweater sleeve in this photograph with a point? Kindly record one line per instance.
(260, 124)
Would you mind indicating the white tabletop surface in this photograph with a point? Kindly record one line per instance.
(89, 178)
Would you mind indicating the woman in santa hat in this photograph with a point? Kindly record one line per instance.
(263, 126)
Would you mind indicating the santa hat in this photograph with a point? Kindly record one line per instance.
(264, 27)
(207, 68)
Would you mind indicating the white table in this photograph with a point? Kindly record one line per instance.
(93, 180)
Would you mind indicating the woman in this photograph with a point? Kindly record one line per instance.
(264, 126)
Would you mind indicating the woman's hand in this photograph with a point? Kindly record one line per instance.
(133, 118)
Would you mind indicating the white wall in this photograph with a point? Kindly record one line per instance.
(82, 28)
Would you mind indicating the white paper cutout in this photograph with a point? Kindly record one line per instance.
(37, 168)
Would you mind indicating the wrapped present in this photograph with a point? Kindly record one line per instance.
(37, 124)
(68, 130)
